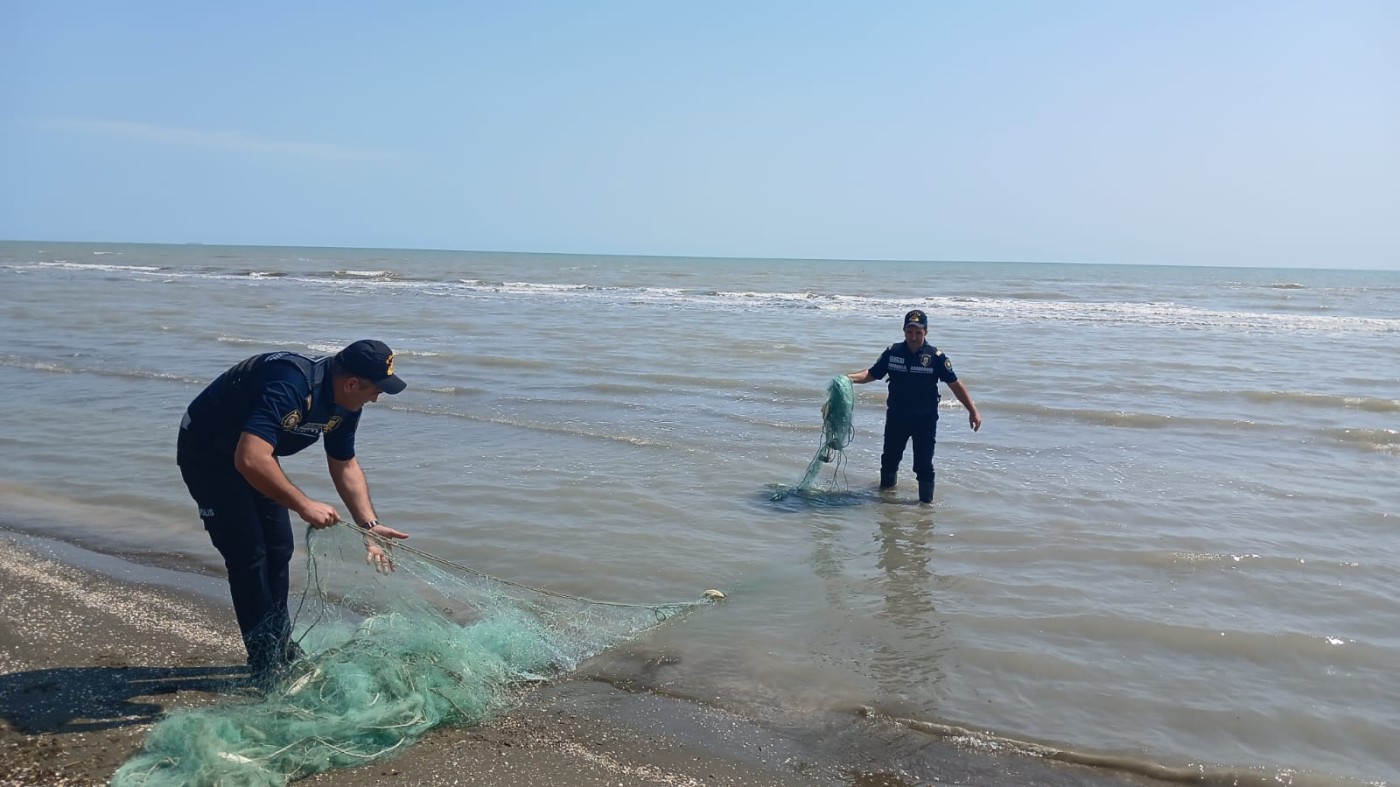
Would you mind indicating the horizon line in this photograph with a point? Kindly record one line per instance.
(701, 256)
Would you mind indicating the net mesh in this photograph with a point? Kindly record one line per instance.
(389, 658)
(837, 431)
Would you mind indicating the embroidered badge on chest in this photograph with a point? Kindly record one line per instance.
(925, 360)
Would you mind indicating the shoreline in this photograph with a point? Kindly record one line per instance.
(89, 661)
(95, 648)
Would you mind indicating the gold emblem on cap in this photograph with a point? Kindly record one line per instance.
(389, 365)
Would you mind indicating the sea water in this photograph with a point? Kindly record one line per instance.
(1174, 541)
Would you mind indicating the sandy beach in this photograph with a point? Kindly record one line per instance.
(88, 662)
(94, 649)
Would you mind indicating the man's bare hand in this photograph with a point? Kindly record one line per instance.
(377, 552)
(318, 514)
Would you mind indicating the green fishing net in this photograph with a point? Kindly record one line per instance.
(837, 430)
(389, 657)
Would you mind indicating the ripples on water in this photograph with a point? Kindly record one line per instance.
(1173, 541)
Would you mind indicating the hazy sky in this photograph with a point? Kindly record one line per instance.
(1262, 132)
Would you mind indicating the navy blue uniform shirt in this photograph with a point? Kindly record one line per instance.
(914, 378)
(284, 398)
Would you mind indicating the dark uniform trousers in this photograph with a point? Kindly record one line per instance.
(254, 535)
(900, 429)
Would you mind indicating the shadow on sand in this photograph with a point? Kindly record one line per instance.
(87, 699)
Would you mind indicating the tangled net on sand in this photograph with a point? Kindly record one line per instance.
(389, 658)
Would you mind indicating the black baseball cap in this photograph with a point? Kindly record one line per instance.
(916, 317)
(374, 361)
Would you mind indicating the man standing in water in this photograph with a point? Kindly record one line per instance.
(231, 438)
(914, 369)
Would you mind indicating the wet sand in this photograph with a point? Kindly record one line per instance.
(88, 662)
(94, 649)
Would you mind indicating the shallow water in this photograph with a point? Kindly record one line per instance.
(1173, 541)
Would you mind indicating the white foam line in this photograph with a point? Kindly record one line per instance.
(1014, 309)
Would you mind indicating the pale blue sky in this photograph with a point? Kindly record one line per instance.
(1141, 131)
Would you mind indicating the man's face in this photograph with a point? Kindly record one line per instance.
(355, 392)
(914, 336)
